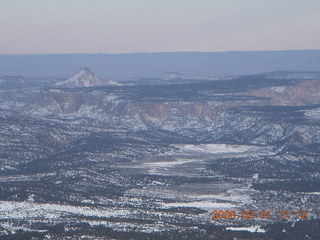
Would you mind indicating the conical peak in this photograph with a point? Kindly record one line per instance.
(85, 70)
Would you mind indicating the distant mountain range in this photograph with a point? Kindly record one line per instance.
(121, 67)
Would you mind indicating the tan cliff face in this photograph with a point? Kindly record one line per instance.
(211, 107)
(110, 107)
(304, 93)
(72, 102)
(115, 107)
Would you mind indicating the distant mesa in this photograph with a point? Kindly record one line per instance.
(85, 78)
(173, 75)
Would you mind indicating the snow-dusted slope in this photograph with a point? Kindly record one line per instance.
(85, 78)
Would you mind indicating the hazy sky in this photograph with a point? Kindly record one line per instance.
(122, 26)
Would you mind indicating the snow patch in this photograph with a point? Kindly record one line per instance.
(253, 229)
(206, 205)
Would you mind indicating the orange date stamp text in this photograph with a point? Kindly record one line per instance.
(226, 214)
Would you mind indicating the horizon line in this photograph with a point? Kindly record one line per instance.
(129, 53)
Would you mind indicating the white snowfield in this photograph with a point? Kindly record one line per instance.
(195, 156)
(313, 114)
(177, 161)
(206, 205)
(45, 212)
(29, 210)
(221, 148)
(232, 199)
(253, 229)
(312, 193)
